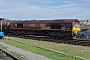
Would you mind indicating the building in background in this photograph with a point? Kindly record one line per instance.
(85, 25)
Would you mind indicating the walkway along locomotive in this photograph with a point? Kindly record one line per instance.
(59, 28)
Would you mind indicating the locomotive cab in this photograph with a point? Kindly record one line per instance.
(76, 28)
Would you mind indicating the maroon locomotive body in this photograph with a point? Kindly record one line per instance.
(60, 28)
(43, 25)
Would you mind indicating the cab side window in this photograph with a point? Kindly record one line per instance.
(68, 26)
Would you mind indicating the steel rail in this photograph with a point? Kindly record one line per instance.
(9, 55)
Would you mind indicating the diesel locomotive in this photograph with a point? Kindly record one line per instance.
(58, 28)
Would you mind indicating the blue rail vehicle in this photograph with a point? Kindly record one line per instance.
(1, 35)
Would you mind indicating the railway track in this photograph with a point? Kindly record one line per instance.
(6, 56)
(81, 42)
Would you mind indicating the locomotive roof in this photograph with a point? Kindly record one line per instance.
(47, 21)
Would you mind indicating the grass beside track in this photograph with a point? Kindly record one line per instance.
(82, 51)
(2, 47)
(43, 52)
(18, 55)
